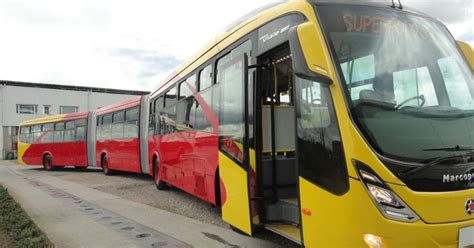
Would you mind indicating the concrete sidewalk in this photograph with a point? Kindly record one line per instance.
(73, 215)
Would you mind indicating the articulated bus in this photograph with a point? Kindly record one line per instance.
(108, 138)
(54, 141)
(332, 123)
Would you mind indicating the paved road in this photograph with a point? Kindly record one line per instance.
(74, 215)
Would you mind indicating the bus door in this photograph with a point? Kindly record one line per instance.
(277, 171)
(234, 143)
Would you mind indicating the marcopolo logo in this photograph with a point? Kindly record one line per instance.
(470, 206)
(448, 178)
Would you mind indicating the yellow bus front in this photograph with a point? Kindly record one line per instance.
(397, 169)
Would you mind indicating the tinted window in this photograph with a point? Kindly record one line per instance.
(70, 125)
(81, 133)
(117, 131)
(171, 97)
(59, 126)
(205, 78)
(131, 129)
(119, 117)
(58, 136)
(36, 129)
(48, 127)
(132, 114)
(69, 135)
(81, 122)
(48, 137)
(320, 154)
(107, 119)
(232, 108)
(187, 87)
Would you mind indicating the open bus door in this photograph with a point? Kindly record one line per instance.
(234, 155)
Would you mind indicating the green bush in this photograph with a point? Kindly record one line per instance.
(18, 224)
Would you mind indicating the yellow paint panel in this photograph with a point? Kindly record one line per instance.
(235, 209)
(22, 147)
(468, 52)
(341, 221)
(46, 119)
(436, 207)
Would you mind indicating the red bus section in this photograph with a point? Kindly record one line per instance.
(184, 141)
(118, 143)
(50, 140)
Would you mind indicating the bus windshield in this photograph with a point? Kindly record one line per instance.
(409, 88)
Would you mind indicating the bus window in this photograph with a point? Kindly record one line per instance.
(232, 108)
(35, 133)
(69, 135)
(205, 78)
(48, 130)
(118, 117)
(359, 74)
(25, 134)
(48, 137)
(456, 84)
(414, 82)
(117, 126)
(106, 130)
(170, 97)
(187, 87)
(201, 121)
(48, 127)
(131, 114)
(81, 122)
(320, 154)
(58, 132)
(80, 133)
(70, 125)
(59, 126)
(246, 48)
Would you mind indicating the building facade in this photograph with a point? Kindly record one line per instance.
(21, 101)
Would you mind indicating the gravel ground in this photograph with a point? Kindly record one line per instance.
(141, 188)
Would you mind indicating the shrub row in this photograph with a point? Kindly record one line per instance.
(19, 225)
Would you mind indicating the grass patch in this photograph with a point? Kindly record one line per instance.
(18, 225)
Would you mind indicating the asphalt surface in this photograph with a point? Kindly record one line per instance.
(141, 189)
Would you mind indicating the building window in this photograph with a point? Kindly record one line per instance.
(47, 109)
(26, 109)
(68, 109)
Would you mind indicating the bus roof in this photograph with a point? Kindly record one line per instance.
(252, 21)
(55, 118)
(130, 103)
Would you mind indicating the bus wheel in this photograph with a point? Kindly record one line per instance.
(105, 166)
(160, 185)
(47, 163)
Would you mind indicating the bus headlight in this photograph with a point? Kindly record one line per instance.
(389, 204)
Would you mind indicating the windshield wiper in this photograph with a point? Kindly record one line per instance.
(463, 158)
(457, 148)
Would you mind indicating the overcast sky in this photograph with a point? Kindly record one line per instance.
(134, 44)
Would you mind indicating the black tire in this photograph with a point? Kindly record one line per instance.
(160, 184)
(105, 167)
(48, 163)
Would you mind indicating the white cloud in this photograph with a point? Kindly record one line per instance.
(82, 42)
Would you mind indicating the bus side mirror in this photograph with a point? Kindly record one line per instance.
(309, 56)
(468, 52)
